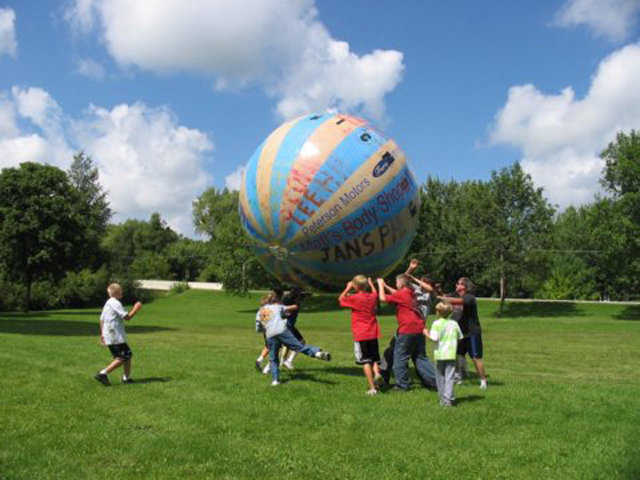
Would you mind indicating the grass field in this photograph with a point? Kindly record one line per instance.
(563, 399)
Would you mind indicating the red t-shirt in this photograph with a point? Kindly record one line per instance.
(364, 324)
(409, 321)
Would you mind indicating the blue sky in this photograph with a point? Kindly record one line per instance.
(170, 100)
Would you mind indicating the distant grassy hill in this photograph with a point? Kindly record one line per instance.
(563, 399)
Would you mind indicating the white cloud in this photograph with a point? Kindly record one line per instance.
(147, 161)
(90, 68)
(277, 44)
(234, 180)
(8, 43)
(561, 137)
(609, 18)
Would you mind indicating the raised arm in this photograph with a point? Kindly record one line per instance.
(413, 264)
(346, 290)
(381, 290)
(136, 308)
(372, 286)
(423, 285)
(291, 308)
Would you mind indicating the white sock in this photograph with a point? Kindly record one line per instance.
(103, 371)
(124, 377)
(292, 355)
(260, 359)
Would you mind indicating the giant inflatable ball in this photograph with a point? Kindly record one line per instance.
(326, 197)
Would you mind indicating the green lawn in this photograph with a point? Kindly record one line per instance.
(563, 399)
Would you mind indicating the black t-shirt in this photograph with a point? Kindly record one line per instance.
(292, 316)
(469, 321)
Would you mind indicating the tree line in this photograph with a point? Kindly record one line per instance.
(59, 249)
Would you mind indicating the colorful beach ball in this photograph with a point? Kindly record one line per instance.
(326, 197)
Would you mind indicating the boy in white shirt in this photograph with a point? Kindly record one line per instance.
(112, 334)
(446, 333)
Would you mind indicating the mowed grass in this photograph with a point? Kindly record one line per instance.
(563, 399)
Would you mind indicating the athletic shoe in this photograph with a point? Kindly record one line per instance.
(371, 392)
(266, 369)
(275, 383)
(128, 380)
(322, 355)
(258, 365)
(288, 365)
(102, 378)
(483, 384)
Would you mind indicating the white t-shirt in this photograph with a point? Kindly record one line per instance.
(112, 317)
(272, 318)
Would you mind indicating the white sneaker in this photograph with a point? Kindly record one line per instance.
(372, 392)
(275, 383)
(266, 369)
(323, 356)
(483, 384)
(288, 365)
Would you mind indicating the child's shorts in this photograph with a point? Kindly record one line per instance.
(121, 350)
(366, 351)
(471, 345)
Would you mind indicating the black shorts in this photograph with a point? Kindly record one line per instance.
(471, 345)
(121, 350)
(366, 351)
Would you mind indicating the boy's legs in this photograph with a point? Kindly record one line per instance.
(448, 371)
(274, 347)
(440, 380)
(423, 365)
(287, 338)
(401, 355)
(114, 364)
(368, 373)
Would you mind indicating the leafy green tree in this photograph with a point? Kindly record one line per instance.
(134, 242)
(518, 226)
(188, 258)
(94, 206)
(41, 224)
(215, 215)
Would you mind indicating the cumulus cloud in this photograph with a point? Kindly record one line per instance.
(277, 44)
(90, 68)
(613, 19)
(234, 180)
(561, 136)
(8, 43)
(147, 161)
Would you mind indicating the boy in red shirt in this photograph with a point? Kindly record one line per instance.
(364, 326)
(410, 342)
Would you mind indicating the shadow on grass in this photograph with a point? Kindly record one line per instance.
(538, 309)
(144, 381)
(299, 375)
(44, 326)
(631, 312)
(469, 398)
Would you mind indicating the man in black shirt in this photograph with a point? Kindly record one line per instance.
(470, 325)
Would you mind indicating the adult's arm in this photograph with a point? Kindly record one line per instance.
(452, 300)
(423, 285)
